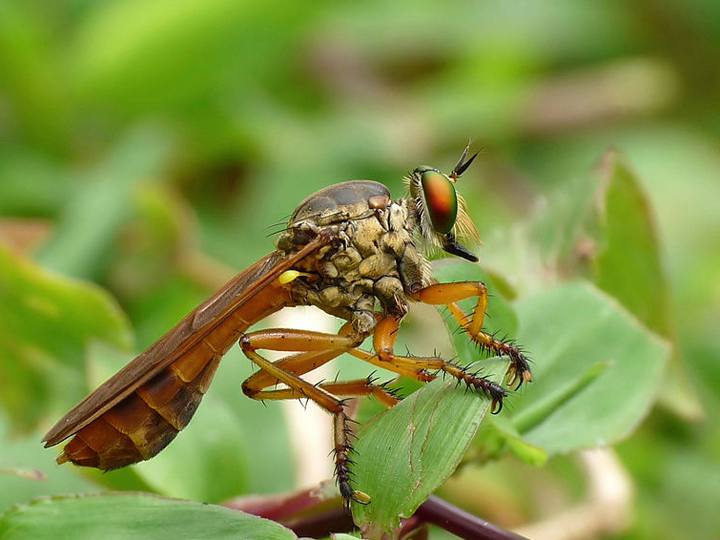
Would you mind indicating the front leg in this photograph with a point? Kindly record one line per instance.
(451, 293)
(419, 367)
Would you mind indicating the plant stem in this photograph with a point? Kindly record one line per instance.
(461, 523)
(307, 514)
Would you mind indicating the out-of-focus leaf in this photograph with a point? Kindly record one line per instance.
(159, 234)
(627, 264)
(145, 64)
(628, 267)
(47, 323)
(30, 184)
(597, 370)
(31, 78)
(27, 454)
(89, 224)
(132, 516)
(404, 454)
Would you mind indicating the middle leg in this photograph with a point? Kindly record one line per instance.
(315, 349)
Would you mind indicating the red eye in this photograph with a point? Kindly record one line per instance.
(440, 200)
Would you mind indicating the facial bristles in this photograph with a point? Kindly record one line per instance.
(464, 228)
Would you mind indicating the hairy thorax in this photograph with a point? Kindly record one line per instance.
(374, 262)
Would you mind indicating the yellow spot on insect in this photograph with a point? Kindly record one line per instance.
(361, 497)
(289, 276)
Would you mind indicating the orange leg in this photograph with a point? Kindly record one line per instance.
(356, 388)
(417, 367)
(451, 293)
(315, 349)
(318, 349)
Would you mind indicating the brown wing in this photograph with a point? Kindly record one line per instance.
(192, 330)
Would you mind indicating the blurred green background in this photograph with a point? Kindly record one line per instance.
(147, 147)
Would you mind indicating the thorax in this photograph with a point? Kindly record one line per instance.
(375, 262)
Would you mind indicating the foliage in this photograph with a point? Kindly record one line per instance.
(125, 515)
(144, 151)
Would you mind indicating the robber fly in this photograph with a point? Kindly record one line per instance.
(348, 249)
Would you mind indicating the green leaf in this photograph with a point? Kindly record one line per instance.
(410, 450)
(47, 324)
(601, 227)
(90, 222)
(597, 370)
(497, 435)
(117, 516)
(629, 267)
(27, 454)
(628, 264)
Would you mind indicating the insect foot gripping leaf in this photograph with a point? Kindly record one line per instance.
(406, 453)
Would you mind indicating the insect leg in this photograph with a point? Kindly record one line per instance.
(451, 293)
(417, 367)
(356, 388)
(331, 346)
(315, 347)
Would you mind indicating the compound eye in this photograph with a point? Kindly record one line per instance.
(440, 200)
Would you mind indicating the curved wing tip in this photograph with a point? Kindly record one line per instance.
(52, 438)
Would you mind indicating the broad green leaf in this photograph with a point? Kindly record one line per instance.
(407, 452)
(601, 227)
(596, 369)
(47, 323)
(123, 516)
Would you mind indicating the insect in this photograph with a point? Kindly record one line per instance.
(348, 249)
